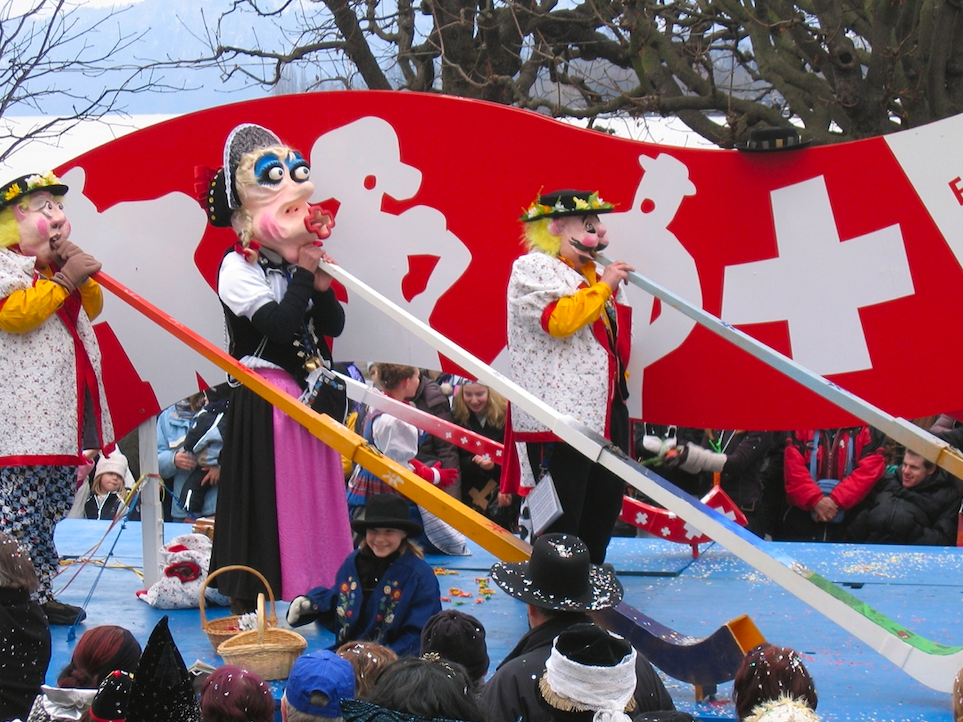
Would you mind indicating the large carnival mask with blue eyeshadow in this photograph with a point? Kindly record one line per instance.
(274, 187)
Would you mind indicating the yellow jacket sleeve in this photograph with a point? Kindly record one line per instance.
(23, 311)
(92, 298)
(583, 307)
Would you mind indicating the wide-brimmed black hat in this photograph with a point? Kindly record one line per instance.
(559, 575)
(386, 511)
(26, 185)
(763, 140)
(558, 204)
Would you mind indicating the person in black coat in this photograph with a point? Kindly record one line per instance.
(917, 505)
(24, 632)
(560, 587)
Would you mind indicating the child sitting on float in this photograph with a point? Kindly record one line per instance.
(384, 592)
(103, 497)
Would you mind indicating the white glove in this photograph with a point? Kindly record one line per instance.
(657, 445)
(698, 459)
(300, 607)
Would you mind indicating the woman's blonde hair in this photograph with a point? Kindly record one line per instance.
(494, 411)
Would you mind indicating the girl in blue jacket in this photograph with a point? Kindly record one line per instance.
(384, 592)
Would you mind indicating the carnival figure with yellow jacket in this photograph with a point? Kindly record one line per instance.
(52, 399)
(569, 335)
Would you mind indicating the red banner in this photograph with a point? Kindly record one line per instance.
(827, 254)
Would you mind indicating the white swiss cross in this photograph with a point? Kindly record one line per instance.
(691, 532)
(818, 283)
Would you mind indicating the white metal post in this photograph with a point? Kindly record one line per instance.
(151, 511)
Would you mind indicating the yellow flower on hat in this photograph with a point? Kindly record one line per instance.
(42, 181)
(12, 192)
(596, 202)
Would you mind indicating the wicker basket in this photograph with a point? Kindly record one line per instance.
(204, 526)
(268, 652)
(221, 630)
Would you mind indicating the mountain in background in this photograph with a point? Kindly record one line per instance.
(172, 30)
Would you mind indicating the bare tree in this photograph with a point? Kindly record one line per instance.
(843, 69)
(55, 66)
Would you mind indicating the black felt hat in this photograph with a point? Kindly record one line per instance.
(763, 140)
(386, 511)
(457, 637)
(163, 690)
(558, 204)
(26, 185)
(591, 646)
(559, 575)
(588, 670)
(111, 702)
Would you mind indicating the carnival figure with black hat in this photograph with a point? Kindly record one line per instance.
(569, 336)
(385, 592)
(52, 396)
(278, 484)
(561, 587)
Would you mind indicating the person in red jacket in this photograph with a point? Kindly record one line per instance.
(827, 472)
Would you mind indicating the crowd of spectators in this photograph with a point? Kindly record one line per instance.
(842, 485)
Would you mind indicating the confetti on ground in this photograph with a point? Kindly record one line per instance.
(442, 572)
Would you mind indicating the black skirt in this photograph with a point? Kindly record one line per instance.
(246, 526)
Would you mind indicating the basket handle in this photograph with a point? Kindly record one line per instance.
(260, 618)
(236, 568)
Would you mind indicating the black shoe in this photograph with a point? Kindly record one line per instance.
(60, 614)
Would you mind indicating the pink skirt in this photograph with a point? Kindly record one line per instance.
(313, 525)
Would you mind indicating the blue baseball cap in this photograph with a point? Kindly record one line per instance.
(323, 672)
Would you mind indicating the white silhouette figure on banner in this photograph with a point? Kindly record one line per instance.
(156, 260)
(359, 164)
(641, 237)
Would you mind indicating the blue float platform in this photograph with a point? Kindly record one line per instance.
(920, 587)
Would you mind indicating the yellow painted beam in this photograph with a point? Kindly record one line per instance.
(476, 527)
